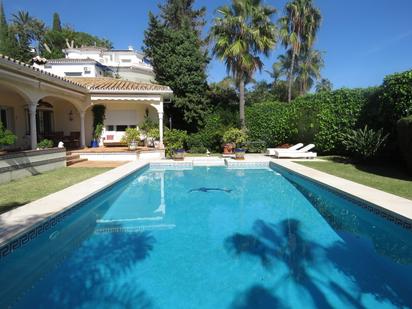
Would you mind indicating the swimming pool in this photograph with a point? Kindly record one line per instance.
(213, 238)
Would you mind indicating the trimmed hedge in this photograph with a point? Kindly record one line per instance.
(396, 98)
(269, 122)
(404, 130)
(326, 117)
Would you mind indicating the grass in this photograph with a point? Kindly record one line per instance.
(389, 178)
(28, 189)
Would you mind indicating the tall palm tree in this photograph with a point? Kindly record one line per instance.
(298, 30)
(241, 32)
(324, 85)
(309, 65)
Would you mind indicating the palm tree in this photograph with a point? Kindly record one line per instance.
(309, 65)
(324, 85)
(298, 30)
(241, 33)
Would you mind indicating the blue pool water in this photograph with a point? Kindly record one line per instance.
(262, 239)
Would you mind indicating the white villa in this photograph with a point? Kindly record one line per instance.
(126, 64)
(55, 99)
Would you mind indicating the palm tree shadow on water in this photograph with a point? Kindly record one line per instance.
(284, 243)
(98, 274)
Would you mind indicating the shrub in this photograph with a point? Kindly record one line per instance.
(365, 143)
(270, 123)
(98, 131)
(99, 114)
(236, 136)
(396, 98)
(6, 136)
(131, 135)
(325, 118)
(210, 136)
(174, 139)
(196, 143)
(154, 133)
(44, 144)
(404, 130)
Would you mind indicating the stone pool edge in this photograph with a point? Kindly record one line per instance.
(16, 222)
(397, 206)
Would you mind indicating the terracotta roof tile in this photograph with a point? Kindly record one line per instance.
(108, 83)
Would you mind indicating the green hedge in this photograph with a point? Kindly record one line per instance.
(326, 117)
(404, 130)
(396, 98)
(270, 122)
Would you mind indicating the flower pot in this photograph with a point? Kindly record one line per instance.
(228, 148)
(133, 145)
(94, 144)
(240, 153)
(178, 154)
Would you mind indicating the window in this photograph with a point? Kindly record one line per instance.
(110, 128)
(6, 117)
(3, 117)
(73, 73)
(121, 128)
(132, 126)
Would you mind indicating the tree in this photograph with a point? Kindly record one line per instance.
(8, 42)
(309, 64)
(179, 62)
(241, 33)
(57, 26)
(21, 25)
(324, 85)
(176, 12)
(298, 30)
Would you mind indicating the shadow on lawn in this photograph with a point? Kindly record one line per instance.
(383, 168)
(284, 243)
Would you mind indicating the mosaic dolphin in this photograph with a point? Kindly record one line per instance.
(203, 189)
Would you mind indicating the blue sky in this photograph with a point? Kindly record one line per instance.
(363, 40)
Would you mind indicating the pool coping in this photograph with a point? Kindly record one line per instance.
(16, 222)
(397, 206)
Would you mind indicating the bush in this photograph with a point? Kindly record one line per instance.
(404, 130)
(210, 136)
(396, 98)
(131, 135)
(270, 123)
(235, 136)
(364, 144)
(325, 118)
(98, 131)
(6, 136)
(44, 144)
(174, 139)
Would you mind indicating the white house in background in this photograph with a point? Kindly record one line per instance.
(56, 103)
(127, 64)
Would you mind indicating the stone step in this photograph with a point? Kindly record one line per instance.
(75, 161)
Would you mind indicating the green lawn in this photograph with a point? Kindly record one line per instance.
(392, 179)
(25, 190)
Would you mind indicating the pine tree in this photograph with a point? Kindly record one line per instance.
(57, 26)
(179, 62)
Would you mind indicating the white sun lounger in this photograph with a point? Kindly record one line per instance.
(301, 153)
(271, 151)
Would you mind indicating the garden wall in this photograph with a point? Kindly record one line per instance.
(32, 162)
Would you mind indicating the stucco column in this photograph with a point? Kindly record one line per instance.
(161, 129)
(33, 128)
(82, 130)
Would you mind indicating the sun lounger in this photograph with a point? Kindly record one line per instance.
(300, 153)
(271, 151)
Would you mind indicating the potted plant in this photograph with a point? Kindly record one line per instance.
(153, 136)
(97, 134)
(174, 141)
(236, 137)
(44, 144)
(131, 138)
